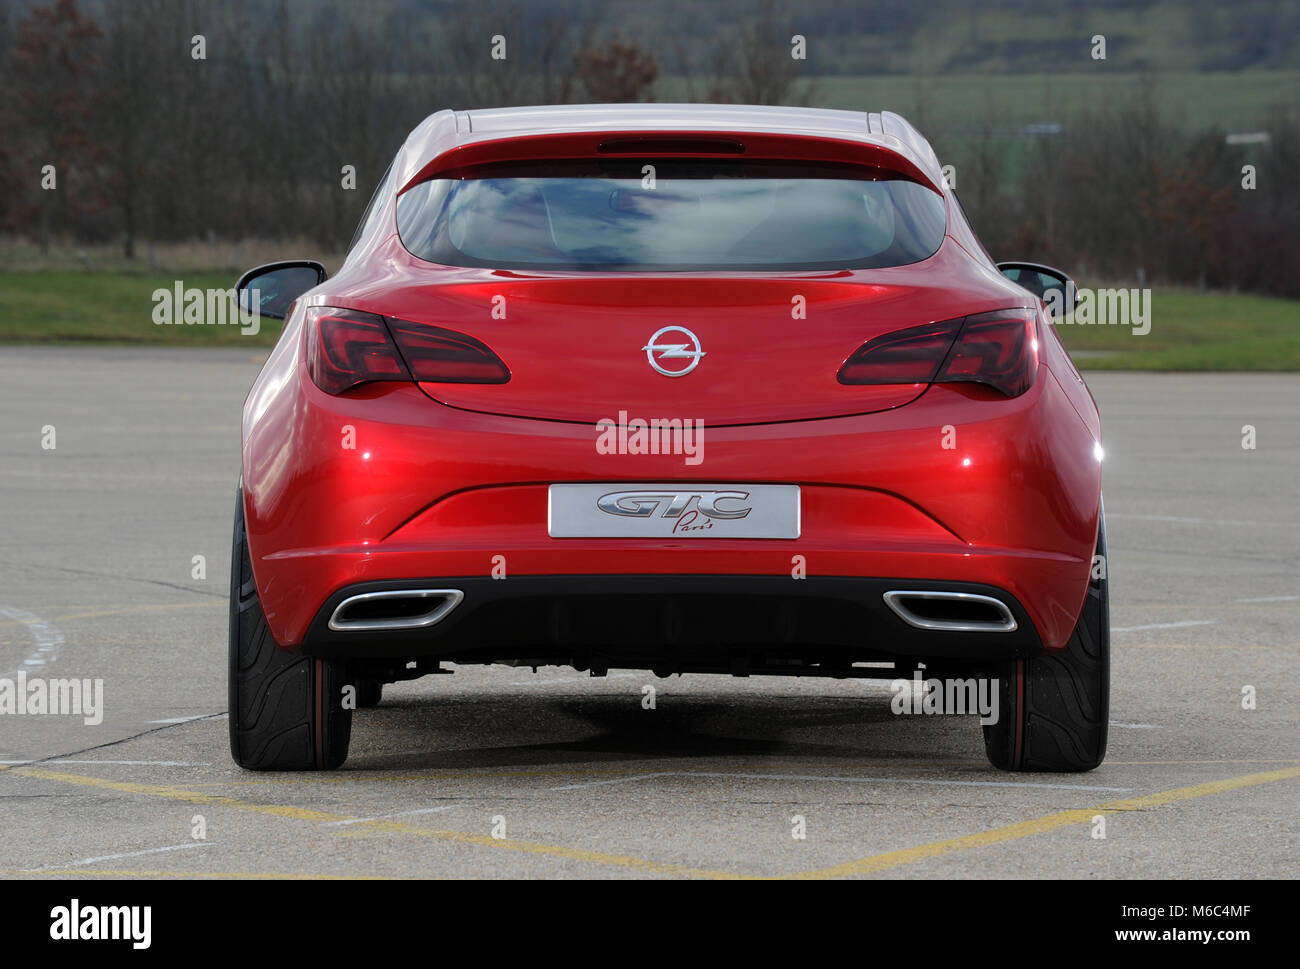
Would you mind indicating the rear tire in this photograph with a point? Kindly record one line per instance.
(369, 693)
(286, 709)
(1055, 708)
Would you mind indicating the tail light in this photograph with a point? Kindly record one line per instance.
(910, 356)
(346, 348)
(999, 349)
(445, 356)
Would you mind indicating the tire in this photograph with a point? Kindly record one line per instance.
(369, 693)
(1054, 709)
(286, 709)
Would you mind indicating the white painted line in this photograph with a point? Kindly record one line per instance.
(1270, 599)
(617, 780)
(432, 810)
(181, 719)
(389, 817)
(128, 854)
(851, 780)
(1164, 625)
(1136, 726)
(46, 635)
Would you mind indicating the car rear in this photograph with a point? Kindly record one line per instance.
(456, 405)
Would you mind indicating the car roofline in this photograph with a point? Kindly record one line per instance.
(449, 129)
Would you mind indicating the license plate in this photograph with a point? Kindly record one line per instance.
(673, 511)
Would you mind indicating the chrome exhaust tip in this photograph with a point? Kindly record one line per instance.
(954, 612)
(399, 609)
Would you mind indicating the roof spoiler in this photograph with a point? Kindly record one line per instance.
(913, 158)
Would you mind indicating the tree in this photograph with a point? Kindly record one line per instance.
(54, 67)
(618, 71)
(757, 67)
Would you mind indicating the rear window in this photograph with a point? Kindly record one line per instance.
(691, 215)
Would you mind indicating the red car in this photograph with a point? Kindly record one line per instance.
(679, 388)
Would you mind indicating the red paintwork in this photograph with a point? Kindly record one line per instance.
(462, 158)
(585, 334)
(424, 493)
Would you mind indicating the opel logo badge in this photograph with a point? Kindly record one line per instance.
(673, 343)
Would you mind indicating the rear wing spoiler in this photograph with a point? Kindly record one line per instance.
(873, 151)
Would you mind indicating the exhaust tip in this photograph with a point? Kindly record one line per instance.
(399, 609)
(955, 612)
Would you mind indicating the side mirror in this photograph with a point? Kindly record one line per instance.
(1050, 285)
(270, 290)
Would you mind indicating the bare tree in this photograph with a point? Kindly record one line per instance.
(758, 66)
(53, 65)
(616, 71)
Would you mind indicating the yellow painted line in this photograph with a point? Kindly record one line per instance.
(1050, 822)
(225, 604)
(124, 612)
(863, 866)
(136, 873)
(555, 851)
(175, 793)
(306, 814)
(979, 767)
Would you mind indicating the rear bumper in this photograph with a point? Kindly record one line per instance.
(429, 492)
(674, 623)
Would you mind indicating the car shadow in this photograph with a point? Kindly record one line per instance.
(517, 730)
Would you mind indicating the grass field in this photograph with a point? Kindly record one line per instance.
(1189, 330)
(111, 308)
(1196, 331)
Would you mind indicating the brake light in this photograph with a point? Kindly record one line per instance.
(910, 356)
(445, 356)
(347, 347)
(999, 349)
